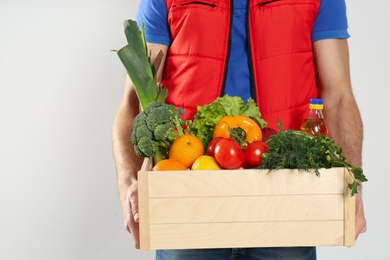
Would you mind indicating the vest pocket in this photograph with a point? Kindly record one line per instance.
(195, 3)
(202, 4)
(198, 28)
(274, 3)
(267, 2)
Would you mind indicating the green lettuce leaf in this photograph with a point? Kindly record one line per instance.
(208, 115)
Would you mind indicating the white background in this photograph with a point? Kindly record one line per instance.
(60, 86)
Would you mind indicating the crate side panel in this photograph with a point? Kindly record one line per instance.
(260, 234)
(349, 213)
(144, 210)
(147, 164)
(245, 183)
(246, 209)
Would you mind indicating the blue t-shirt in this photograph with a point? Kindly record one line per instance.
(331, 22)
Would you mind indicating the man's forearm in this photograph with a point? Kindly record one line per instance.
(126, 162)
(340, 109)
(345, 126)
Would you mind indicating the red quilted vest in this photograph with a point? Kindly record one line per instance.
(281, 56)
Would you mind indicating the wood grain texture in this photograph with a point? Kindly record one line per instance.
(245, 208)
(255, 234)
(349, 213)
(147, 165)
(245, 183)
(144, 216)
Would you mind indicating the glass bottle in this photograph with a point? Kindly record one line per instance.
(315, 124)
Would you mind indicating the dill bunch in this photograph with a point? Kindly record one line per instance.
(291, 149)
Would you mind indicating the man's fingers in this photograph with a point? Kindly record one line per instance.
(360, 221)
(135, 233)
(128, 217)
(133, 228)
(134, 210)
(363, 230)
(131, 216)
(134, 206)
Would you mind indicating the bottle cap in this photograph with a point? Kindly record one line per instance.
(316, 103)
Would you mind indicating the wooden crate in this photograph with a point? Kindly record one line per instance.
(244, 208)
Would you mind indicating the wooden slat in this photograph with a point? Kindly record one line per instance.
(147, 164)
(244, 183)
(257, 234)
(246, 209)
(144, 217)
(349, 213)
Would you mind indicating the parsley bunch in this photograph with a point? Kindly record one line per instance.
(290, 149)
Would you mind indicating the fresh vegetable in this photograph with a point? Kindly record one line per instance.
(298, 150)
(267, 132)
(229, 154)
(211, 146)
(153, 129)
(186, 149)
(205, 162)
(135, 58)
(245, 166)
(169, 165)
(298, 134)
(209, 115)
(253, 153)
(228, 124)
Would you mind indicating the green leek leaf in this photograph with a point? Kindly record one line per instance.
(136, 60)
(136, 39)
(162, 93)
(158, 60)
(144, 84)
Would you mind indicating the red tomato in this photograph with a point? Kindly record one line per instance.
(229, 154)
(211, 147)
(245, 166)
(253, 153)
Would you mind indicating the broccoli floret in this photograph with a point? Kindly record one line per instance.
(154, 127)
(138, 152)
(142, 131)
(159, 114)
(139, 119)
(153, 106)
(148, 146)
(165, 131)
(133, 138)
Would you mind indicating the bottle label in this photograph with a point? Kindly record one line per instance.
(315, 106)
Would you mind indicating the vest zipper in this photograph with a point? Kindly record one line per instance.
(250, 60)
(267, 2)
(228, 49)
(197, 3)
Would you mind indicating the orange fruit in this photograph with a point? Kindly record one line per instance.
(169, 165)
(186, 149)
(205, 162)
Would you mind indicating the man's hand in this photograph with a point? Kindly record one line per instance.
(360, 221)
(130, 212)
(127, 163)
(334, 87)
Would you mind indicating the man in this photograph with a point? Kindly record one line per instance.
(279, 52)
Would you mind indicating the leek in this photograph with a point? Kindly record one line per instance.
(135, 58)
